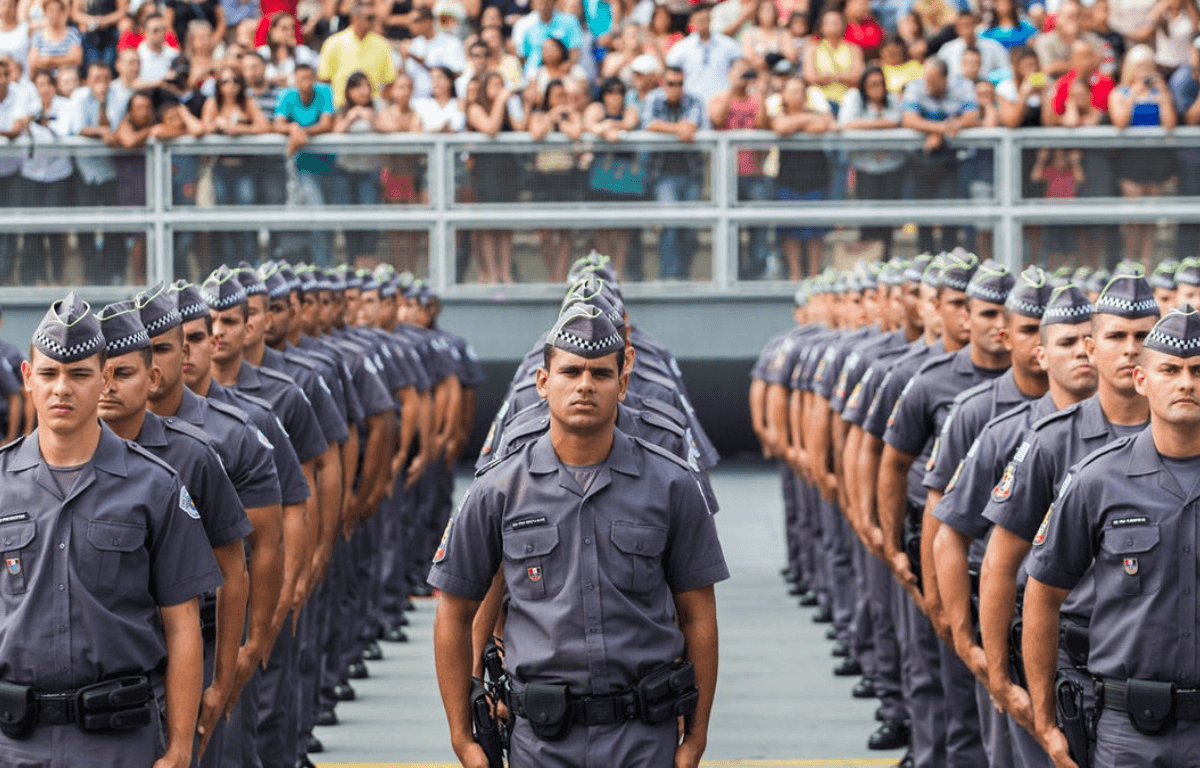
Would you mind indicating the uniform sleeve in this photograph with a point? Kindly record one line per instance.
(333, 424)
(354, 408)
(302, 426)
(881, 405)
(1062, 547)
(1024, 493)
(221, 509)
(252, 469)
(906, 430)
(827, 373)
(968, 489)
(694, 558)
(858, 398)
(182, 565)
(952, 444)
(373, 395)
(470, 551)
(293, 487)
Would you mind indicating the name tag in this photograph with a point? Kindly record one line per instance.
(529, 522)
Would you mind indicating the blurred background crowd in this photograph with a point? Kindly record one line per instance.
(124, 71)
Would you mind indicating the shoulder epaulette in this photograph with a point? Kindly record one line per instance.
(500, 460)
(936, 361)
(144, 453)
(525, 384)
(1107, 448)
(229, 410)
(271, 373)
(666, 409)
(971, 392)
(191, 430)
(1059, 415)
(660, 451)
(1011, 413)
(661, 422)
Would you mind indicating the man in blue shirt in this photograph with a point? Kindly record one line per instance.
(545, 24)
(303, 112)
(676, 174)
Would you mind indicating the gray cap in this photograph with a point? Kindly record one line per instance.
(957, 271)
(916, 268)
(159, 310)
(278, 286)
(69, 331)
(1068, 305)
(1177, 333)
(1188, 271)
(251, 282)
(586, 331)
(190, 302)
(1030, 294)
(1164, 275)
(1128, 296)
(223, 290)
(991, 283)
(123, 330)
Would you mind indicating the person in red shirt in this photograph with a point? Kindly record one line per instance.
(861, 29)
(134, 35)
(1083, 63)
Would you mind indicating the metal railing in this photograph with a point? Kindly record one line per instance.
(444, 208)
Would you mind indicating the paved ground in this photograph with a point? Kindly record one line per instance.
(777, 702)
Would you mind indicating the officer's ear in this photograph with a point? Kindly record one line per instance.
(1139, 380)
(1089, 346)
(155, 377)
(1040, 353)
(540, 378)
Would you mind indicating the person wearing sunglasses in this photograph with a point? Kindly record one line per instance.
(357, 49)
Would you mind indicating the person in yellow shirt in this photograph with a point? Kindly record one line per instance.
(357, 49)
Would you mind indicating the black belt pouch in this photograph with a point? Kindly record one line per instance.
(1148, 703)
(18, 716)
(546, 709)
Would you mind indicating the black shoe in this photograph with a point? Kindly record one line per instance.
(809, 599)
(326, 717)
(313, 745)
(394, 635)
(372, 652)
(907, 761)
(343, 692)
(798, 589)
(864, 689)
(357, 671)
(879, 715)
(891, 735)
(849, 667)
(824, 615)
(409, 605)
(304, 762)
(840, 650)
(831, 633)
(401, 621)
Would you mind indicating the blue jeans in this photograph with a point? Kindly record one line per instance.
(234, 185)
(357, 188)
(676, 245)
(755, 188)
(316, 189)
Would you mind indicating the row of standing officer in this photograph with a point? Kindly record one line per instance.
(587, 545)
(974, 400)
(266, 402)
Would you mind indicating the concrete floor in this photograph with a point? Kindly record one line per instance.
(777, 702)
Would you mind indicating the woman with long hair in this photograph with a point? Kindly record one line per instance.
(879, 173)
(281, 51)
(490, 113)
(55, 45)
(231, 112)
(832, 64)
(199, 48)
(610, 118)
(765, 36)
(1007, 26)
(556, 172)
(403, 177)
(356, 180)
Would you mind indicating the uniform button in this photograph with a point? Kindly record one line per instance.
(62, 628)
(8, 540)
(528, 547)
(115, 541)
(589, 587)
(61, 587)
(1187, 547)
(1128, 542)
(587, 541)
(62, 545)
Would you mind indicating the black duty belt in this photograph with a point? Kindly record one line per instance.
(120, 704)
(589, 710)
(1115, 694)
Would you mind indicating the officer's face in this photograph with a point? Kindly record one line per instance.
(582, 393)
(368, 309)
(350, 310)
(64, 395)
(952, 307)
(931, 316)
(988, 326)
(1171, 385)
(309, 311)
(329, 310)
(167, 351)
(228, 335)
(130, 382)
(1063, 356)
(1116, 347)
(1165, 298)
(1021, 339)
(1186, 294)
(277, 321)
(197, 351)
(387, 308)
(256, 319)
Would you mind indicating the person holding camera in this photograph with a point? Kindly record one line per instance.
(608, 552)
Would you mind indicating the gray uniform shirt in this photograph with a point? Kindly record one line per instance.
(591, 577)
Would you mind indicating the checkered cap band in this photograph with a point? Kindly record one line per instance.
(585, 330)
(121, 324)
(1127, 296)
(158, 310)
(1068, 305)
(67, 354)
(1177, 333)
(69, 331)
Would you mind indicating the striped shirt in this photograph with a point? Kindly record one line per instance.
(48, 47)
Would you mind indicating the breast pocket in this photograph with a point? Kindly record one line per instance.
(536, 567)
(1133, 561)
(110, 550)
(17, 546)
(638, 567)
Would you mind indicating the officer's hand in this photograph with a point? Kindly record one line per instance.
(1014, 701)
(212, 706)
(1055, 744)
(472, 756)
(898, 562)
(689, 752)
(248, 658)
(972, 655)
(170, 760)
(415, 469)
(874, 540)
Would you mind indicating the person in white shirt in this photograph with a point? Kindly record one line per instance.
(97, 173)
(14, 118)
(46, 174)
(434, 48)
(704, 57)
(992, 54)
(441, 113)
(155, 55)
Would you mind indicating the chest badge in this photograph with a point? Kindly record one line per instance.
(13, 566)
(1131, 565)
(534, 572)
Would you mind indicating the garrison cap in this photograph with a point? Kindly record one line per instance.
(334, 278)
(1081, 274)
(159, 310)
(800, 297)
(251, 282)
(424, 294)
(1188, 272)
(1164, 275)
(69, 331)
(350, 276)
(223, 290)
(958, 270)
(1030, 294)
(584, 330)
(916, 268)
(1068, 305)
(892, 273)
(388, 288)
(366, 280)
(1097, 280)
(1177, 333)
(309, 278)
(1128, 296)
(277, 283)
(991, 282)
(590, 290)
(121, 324)
(932, 275)
(867, 274)
(189, 300)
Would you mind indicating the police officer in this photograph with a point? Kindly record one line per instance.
(580, 521)
(1162, 280)
(1126, 515)
(104, 559)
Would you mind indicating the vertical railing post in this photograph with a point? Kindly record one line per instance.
(160, 262)
(441, 182)
(1008, 235)
(723, 254)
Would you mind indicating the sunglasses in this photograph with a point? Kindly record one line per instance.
(227, 81)
(674, 83)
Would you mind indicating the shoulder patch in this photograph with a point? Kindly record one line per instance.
(954, 478)
(186, 504)
(262, 438)
(1040, 538)
(1003, 490)
(440, 555)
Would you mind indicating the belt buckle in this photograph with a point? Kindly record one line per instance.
(55, 709)
(598, 711)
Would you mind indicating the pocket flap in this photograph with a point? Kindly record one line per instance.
(643, 540)
(116, 537)
(1140, 538)
(531, 542)
(17, 535)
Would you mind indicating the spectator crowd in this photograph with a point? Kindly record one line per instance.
(123, 71)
